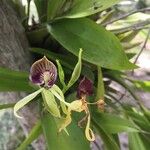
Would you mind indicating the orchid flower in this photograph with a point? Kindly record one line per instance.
(85, 88)
(44, 74)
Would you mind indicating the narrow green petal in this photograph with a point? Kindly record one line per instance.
(58, 93)
(65, 122)
(50, 103)
(24, 101)
(77, 71)
(88, 131)
(61, 74)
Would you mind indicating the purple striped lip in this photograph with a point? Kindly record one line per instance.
(43, 72)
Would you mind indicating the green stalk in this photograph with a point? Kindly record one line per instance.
(100, 85)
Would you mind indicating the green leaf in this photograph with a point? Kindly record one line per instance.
(117, 77)
(87, 71)
(41, 6)
(61, 141)
(83, 8)
(9, 78)
(53, 8)
(130, 55)
(127, 45)
(66, 61)
(116, 138)
(24, 101)
(107, 17)
(138, 142)
(113, 123)
(76, 72)
(139, 119)
(100, 47)
(53, 56)
(8, 85)
(5, 106)
(33, 135)
(12, 74)
(109, 141)
(146, 113)
(143, 85)
(129, 36)
(36, 37)
(50, 103)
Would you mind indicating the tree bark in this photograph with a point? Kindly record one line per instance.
(14, 54)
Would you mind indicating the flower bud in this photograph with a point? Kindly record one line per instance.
(85, 87)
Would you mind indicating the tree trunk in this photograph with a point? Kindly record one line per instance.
(14, 54)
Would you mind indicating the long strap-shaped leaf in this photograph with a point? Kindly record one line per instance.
(5, 106)
(61, 141)
(24, 101)
(109, 142)
(9, 78)
(138, 141)
(34, 133)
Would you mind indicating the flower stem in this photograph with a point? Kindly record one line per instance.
(100, 85)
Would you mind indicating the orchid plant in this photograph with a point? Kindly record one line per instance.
(77, 100)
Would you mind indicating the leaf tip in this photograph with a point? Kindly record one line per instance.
(133, 66)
